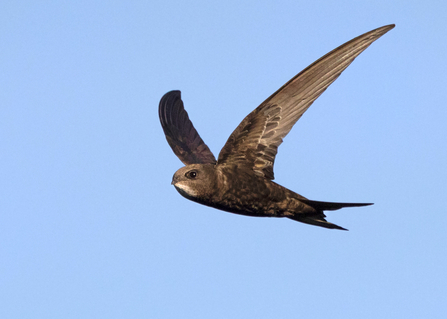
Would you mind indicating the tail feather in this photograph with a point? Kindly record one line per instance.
(331, 205)
(318, 218)
(316, 221)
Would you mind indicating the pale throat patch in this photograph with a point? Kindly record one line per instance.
(185, 188)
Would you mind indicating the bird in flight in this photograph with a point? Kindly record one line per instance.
(241, 180)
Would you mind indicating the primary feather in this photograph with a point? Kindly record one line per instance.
(255, 141)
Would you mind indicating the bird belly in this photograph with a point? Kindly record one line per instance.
(259, 202)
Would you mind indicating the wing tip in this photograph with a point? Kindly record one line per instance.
(174, 94)
(389, 26)
(169, 98)
(381, 30)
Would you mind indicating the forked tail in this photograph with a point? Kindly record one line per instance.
(319, 218)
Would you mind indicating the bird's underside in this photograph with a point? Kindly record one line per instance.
(241, 179)
(242, 192)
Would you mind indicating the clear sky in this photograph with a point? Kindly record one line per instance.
(90, 226)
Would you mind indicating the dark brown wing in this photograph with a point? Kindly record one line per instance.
(255, 141)
(180, 133)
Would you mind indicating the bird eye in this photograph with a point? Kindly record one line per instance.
(191, 174)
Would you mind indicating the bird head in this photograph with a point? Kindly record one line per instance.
(195, 181)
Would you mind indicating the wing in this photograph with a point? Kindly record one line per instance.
(180, 133)
(254, 143)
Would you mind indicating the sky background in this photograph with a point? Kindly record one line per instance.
(90, 226)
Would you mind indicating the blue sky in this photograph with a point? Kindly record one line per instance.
(90, 226)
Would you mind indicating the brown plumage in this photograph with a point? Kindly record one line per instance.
(240, 181)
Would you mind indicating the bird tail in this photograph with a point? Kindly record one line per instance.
(316, 220)
(319, 218)
(330, 205)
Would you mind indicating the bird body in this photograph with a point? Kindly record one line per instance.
(240, 191)
(240, 181)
